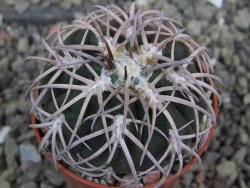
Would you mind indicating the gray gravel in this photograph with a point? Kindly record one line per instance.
(225, 31)
(29, 153)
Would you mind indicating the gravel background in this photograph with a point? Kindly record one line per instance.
(224, 30)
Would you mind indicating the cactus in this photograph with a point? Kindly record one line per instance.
(123, 95)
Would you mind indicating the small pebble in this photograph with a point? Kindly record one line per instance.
(11, 151)
(29, 152)
(26, 136)
(9, 174)
(95, 180)
(194, 28)
(1, 19)
(35, 1)
(243, 183)
(21, 6)
(3, 133)
(226, 168)
(240, 155)
(188, 179)
(45, 185)
(169, 9)
(220, 182)
(226, 151)
(22, 45)
(23, 106)
(54, 177)
(4, 184)
(10, 2)
(110, 180)
(29, 185)
(243, 137)
(89, 178)
(200, 177)
(242, 19)
(77, 2)
(11, 108)
(204, 12)
(103, 182)
(216, 3)
(66, 4)
(242, 80)
(246, 99)
(30, 172)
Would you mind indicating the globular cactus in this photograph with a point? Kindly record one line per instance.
(123, 96)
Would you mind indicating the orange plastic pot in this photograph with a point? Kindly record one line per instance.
(74, 181)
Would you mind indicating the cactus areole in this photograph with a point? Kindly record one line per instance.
(123, 97)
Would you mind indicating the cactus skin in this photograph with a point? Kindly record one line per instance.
(123, 95)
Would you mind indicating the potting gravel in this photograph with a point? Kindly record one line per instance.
(223, 28)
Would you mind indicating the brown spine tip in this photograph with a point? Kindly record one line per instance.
(131, 50)
(150, 61)
(111, 57)
(111, 64)
(125, 73)
(120, 48)
(138, 50)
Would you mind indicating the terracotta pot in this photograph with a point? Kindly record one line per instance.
(74, 181)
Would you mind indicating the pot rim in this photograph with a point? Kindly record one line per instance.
(168, 180)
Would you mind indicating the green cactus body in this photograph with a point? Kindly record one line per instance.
(124, 95)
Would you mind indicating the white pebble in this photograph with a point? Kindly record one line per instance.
(3, 133)
(216, 3)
